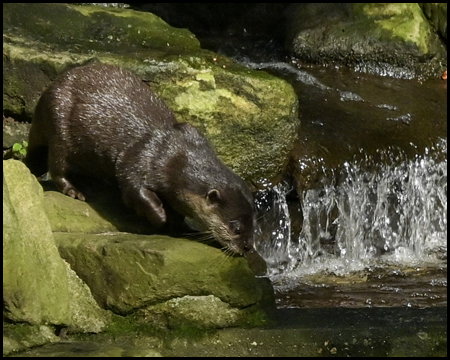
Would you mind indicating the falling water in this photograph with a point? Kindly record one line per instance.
(394, 211)
(276, 223)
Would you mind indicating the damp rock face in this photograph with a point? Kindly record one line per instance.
(250, 117)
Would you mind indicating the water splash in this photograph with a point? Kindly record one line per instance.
(276, 221)
(394, 210)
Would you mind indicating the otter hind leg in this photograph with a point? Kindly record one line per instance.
(67, 188)
(60, 170)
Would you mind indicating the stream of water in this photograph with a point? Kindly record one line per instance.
(371, 230)
(375, 238)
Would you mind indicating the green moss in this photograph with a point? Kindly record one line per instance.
(254, 317)
(21, 336)
(127, 325)
(241, 115)
(133, 326)
(87, 28)
(402, 20)
(187, 332)
(14, 89)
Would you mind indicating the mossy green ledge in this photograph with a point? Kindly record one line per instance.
(250, 117)
(126, 272)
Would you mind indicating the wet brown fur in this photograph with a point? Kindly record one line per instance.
(102, 121)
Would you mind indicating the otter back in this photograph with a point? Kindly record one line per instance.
(102, 121)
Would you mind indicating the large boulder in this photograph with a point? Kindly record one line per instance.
(389, 39)
(40, 291)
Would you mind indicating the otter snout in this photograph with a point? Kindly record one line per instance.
(242, 234)
(244, 237)
(248, 245)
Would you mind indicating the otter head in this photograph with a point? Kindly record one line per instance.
(227, 214)
(232, 219)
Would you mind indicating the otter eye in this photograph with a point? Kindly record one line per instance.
(236, 226)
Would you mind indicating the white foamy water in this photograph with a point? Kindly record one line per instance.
(392, 212)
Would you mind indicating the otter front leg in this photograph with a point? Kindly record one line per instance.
(146, 203)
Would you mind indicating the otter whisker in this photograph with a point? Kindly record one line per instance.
(227, 251)
(207, 239)
(190, 235)
(196, 233)
(227, 255)
(204, 237)
(218, 260)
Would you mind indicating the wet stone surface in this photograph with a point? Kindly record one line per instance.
(293, 332)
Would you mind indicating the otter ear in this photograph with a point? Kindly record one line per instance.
(213, 196)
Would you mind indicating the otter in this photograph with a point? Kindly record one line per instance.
(102, 121)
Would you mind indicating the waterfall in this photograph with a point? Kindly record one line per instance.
(393, 211)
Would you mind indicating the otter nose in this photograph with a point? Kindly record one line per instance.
(247, 248)
(248, 245)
